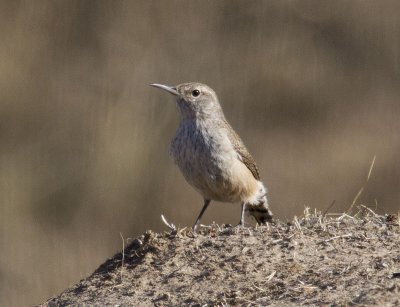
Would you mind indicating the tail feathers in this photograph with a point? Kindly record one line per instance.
(258, 206)
(261, 213)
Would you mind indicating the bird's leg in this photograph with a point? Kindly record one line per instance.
(241, 223)
(206, 203)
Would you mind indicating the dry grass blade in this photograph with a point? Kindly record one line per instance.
(362, 189)
(171, 226)
(336, 237)
(355, 200)
(371, 167)
(327, 209)
(370, 210)
(123, 254)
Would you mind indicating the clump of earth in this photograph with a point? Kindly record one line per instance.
(313, 260)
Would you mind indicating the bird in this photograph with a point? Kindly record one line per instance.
(212, 157)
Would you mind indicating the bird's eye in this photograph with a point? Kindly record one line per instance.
(195, 93)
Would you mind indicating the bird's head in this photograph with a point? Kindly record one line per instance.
(194, 99)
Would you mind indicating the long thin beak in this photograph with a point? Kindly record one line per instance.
(170, 89)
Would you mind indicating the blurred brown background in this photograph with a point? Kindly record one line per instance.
(312, 87)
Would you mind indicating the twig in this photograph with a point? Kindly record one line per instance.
(297, 224)
(370, 210)
(169, 225)
(271, 276)
(258, 288)
(336, 237)
(343, 216)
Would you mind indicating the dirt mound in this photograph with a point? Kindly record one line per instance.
(313, 260)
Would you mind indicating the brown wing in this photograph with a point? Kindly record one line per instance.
(243, 153)
(260, 211)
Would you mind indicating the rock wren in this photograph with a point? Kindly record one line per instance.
(211, 156)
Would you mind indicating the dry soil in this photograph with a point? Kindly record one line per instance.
(314, 260)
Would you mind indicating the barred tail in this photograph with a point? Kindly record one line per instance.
(258, 206)
(261, 213)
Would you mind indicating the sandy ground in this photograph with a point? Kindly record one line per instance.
(313, 260)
